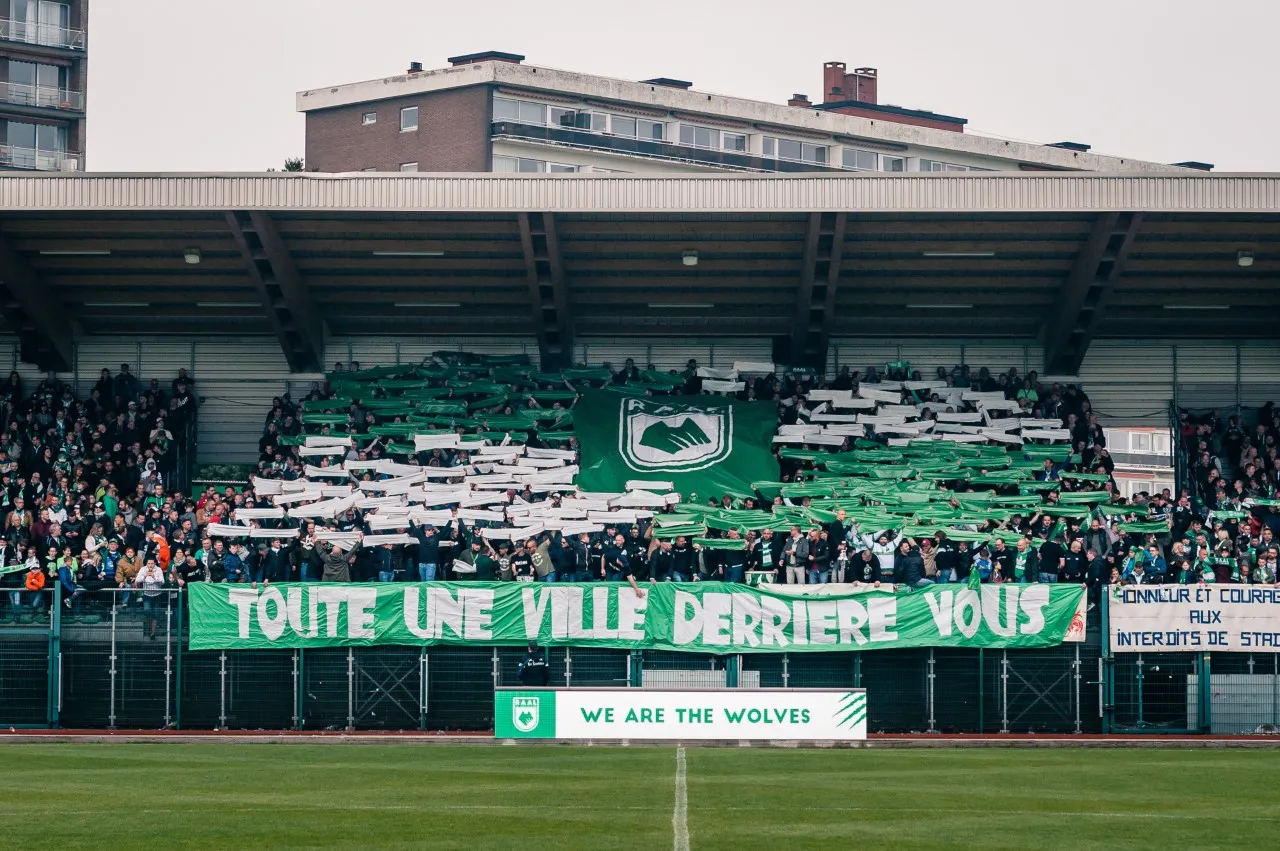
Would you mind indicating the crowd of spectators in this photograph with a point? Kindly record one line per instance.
(83, 487)
(86, 505)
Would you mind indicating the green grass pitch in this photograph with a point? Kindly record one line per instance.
(179, 796)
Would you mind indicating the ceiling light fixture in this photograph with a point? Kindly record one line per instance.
(191, 255)
(214, 304)
(70, 252)
(117, 304)
(408, 254)
(1244, 259)
(939, 306)
(959, 254)
(689, 258)
(426, 304)
(681, 305)
(1195, 306)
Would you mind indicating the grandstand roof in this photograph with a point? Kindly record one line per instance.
(1060, 257)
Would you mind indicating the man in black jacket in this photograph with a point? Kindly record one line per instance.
(428, 554)
(682, 560)
(661, 562)
(1075, 564)
(908, 568)
(819, 558)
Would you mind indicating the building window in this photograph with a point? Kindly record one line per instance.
(857, 160)
(699, 137)
(524, 165)
(39, 146)
(40, 22)
(786, 149)
(861, 160)
(621, 125)
(506, 109)
(408, 166)
(734, 142)
(652, 130)
(408, 119)
(369, 118)
(934, 165)
(1141, 441)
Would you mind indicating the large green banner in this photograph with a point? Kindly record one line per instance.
(706, 445)
(703, 617)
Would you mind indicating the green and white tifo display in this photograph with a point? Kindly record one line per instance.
(681, 715)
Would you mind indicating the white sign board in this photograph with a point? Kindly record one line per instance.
(1194, 618)
(683, 715)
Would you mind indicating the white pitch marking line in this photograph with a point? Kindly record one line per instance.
(680, 814)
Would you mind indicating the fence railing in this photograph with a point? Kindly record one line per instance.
(16, 156)
(111, 658)
(45, 34)
(49, 97)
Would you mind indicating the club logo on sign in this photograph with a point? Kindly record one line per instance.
(524, 713)
(655, 436)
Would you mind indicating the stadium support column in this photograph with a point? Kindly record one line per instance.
(291, 311)
(548, 292)
(816, 298)
(1077, 311)
(31, 308)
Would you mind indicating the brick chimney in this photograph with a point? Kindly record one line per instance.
(862, 84)
(799, 100)
(833, 82)
(839, 85)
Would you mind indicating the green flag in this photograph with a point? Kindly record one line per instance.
(704, 445)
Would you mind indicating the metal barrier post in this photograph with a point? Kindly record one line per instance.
(300, 698)
(731, 671)
(297, 688)
(222, 691)
(1004, 691)
(351, 688)
(422, 688)
(426, 686)
(1206, 694)
(1275, 688)
(857, 670)
(1079, 685)
(177, 710)
(54, 702)
(168, 661)
(786, 670)
(497, 670)
(111, 713)
(930, 679)
(568, 668)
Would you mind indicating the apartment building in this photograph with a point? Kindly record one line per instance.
(43, 80)
(492, 112)
(1143, 458)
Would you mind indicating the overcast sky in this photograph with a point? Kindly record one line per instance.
(178, 85)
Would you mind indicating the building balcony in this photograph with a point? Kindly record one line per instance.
(586, 140)
(12, 156)
(41, 35)
(42, 97)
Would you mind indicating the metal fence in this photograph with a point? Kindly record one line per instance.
(114, 659)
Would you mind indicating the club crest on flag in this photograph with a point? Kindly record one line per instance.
(524, 713)
(657, 436)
